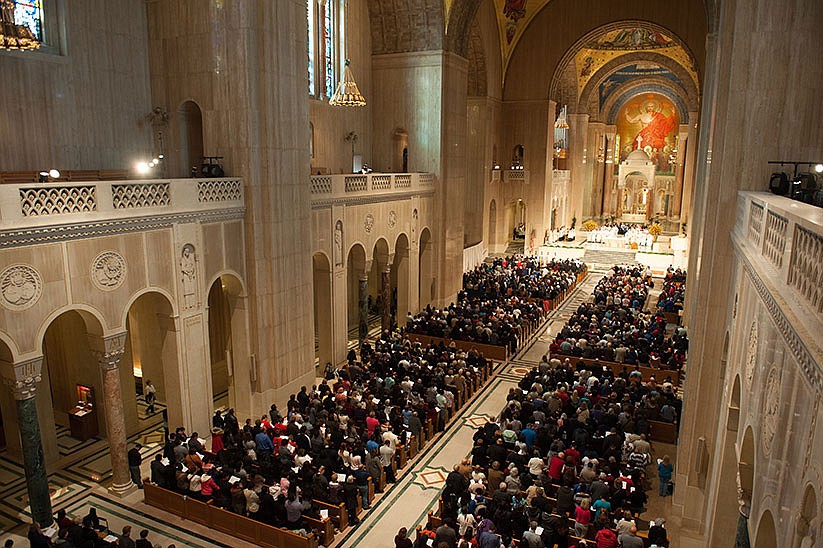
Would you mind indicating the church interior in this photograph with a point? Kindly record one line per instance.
(206, 205)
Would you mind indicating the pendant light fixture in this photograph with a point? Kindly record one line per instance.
(347, 93)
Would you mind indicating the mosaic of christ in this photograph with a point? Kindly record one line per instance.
(650, 123)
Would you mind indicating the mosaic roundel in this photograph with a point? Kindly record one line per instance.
(751, 353)
(771, 410)
(108, 270)
(20, 287)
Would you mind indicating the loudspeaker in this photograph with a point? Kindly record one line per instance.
(779, 183)
(803, 187)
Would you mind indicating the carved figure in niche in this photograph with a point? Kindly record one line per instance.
(338, 243)
(414, 225)
(188, 272)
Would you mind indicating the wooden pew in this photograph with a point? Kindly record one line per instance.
(617, 368)
(338, 513)
(665, 432)
(228, 522)
(324, 528)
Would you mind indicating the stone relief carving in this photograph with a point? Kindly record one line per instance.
(188, 274)
(20, 286)
(414, 225)
(108, 357)
(392, 220)
(751, 353)
(22, 379)
(338, 243)
(368, 224)
(108, 270)
(771, 410)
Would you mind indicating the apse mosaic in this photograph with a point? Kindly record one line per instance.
(611, 45)
(638, 70)
(649, 122)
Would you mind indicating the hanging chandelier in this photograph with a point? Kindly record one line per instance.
(347, 93)
(13, 35)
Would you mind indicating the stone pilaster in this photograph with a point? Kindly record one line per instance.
(22, 378)
(109, 350)
(385, 291)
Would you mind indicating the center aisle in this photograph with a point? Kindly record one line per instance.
(409, 500)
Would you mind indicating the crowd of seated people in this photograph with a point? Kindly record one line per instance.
(674, 288)
(275, 468)
(565, 465)
(615, 328)
(495, 300)
(89, 531)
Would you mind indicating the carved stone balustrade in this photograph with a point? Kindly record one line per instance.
(360, 188)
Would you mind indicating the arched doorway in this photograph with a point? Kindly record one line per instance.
(635, 199)
(516, 220)
(323, 352)
(492, 226)
(190, 123)
(807, 528)
(357, 277)
(400, 279)
(72, 372)
(400, 146)
(426, 278)
(151, 351)
(228, 347)
(380, 293)
(766, 536)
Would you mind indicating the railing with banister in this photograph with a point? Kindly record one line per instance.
(29, 205)
(325, 187)
(788, 236)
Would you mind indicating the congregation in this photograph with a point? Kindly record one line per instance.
(566, 463)
(496, 298)
(614, 327)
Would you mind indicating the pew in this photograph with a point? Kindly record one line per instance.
(665, 432)
(324, 527)
(337, 513)
(226, 521)
(617, 368)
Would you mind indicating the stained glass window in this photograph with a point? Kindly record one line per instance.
(30, 13)
(328, 46)
(312, 15)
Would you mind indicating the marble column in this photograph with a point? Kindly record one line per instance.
(363, 300)
(109, 350)
(22, 378)
(680, 167)
(385, 291)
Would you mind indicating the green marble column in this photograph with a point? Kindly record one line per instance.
(33, 461)
(363, 325)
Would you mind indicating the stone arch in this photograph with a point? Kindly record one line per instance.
(190, 137)
(492, 241)
(151, 289)
(690, 92)
(461, 15)
(90, 315)
(401, 278)
(745, 470)
(356, 272)
(568, 57)
(227, 340)
(766, 536)
(8, 342)
(426, 268)
(323, 309)
(151, 353)
(807, 527)
(233, 274)
(632, 89)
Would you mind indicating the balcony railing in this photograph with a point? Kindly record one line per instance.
(30, 205)
(332, 187)
(788, 236)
